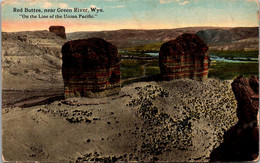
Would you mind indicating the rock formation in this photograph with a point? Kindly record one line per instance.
(90, 68)
(241, 142)
(184, 57)
(58, 30)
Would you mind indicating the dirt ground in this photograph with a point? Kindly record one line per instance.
(181, 120)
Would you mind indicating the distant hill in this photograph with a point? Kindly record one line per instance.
(212, 36)
(231, 39)
(221, 36)
(127, 38)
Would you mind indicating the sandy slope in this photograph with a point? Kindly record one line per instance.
(181, 120)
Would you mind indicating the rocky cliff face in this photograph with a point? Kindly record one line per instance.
(241, 142)
(31, 60)
(58, 30)
(90, 68)
(185, 57)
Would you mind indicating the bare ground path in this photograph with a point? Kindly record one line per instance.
(25, 98)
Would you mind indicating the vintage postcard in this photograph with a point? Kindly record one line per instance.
(130, 80)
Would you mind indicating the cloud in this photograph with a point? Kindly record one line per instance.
(119, 6)
(9, 2)
(63, 5)
(46, 4)
(183, 3)
(170, 1)
(92, 6)
(32, 3)
(40, 3)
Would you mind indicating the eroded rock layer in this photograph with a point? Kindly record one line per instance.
(184, 57)
(58, 30)
(241, 142)
(90, 68)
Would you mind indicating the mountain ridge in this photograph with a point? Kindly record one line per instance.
(127, 38)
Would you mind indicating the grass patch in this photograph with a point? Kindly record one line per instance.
(227, 70)
(130, 72)
(153, 47)
(221, 70)
(131, 68)
(152, 71)
(230, 54)
(154, 63)
(135, 68)
(132, 63)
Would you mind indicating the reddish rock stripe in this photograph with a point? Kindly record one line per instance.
(91, 82)
(89, 74)
(186, 56)
(78, 70)
(116, 66)
(90, 66)
(96, 70)
(72, 90)
(103, 75)
(78, 55)
(89, 77)
(104, 85)
(101, 85)
(93, 76)
(82, 75)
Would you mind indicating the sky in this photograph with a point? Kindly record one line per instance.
(129, 14)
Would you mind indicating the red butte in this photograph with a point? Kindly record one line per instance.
(58, 30)
(90, 68)
(185, 57)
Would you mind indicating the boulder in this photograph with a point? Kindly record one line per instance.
(185, 57)
(241, 142)
(58, 30)
(90, 68)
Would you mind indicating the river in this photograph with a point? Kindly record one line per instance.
(224, 59)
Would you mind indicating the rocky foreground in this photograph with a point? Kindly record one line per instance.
(181, 120)
(241, 142)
